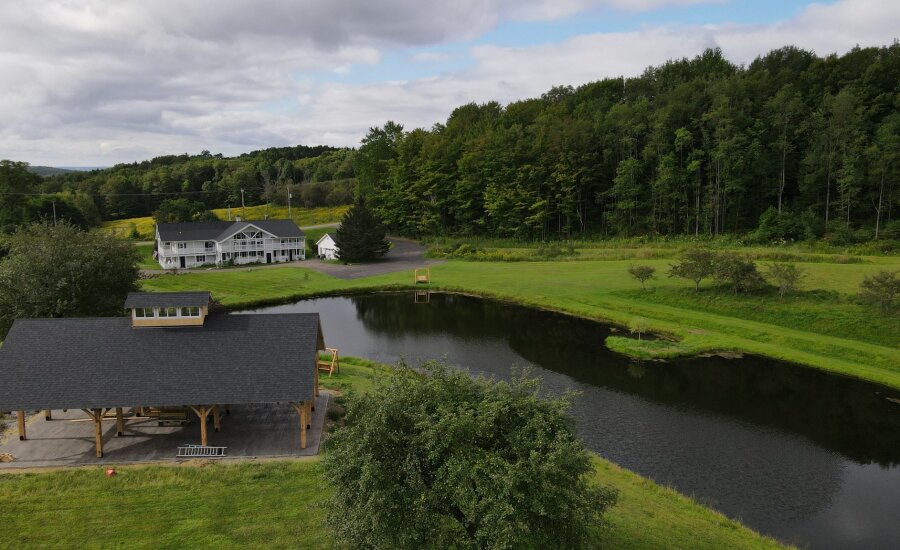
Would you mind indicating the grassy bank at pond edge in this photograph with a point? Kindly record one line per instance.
(281, 504)
(601, 290)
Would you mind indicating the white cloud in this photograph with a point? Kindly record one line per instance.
(102, 82)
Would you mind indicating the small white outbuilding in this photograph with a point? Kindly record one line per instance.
(327, 248)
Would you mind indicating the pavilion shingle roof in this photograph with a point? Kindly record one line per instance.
(105, 362)
(217, 231)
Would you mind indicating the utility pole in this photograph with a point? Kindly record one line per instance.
(243, 217)
(289, 205)
(54, 213)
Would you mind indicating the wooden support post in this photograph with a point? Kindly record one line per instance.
(301, 411)
(20, 416)
(203, 412)
(98, 431)
(316, 377)
(303, 423)
(217, 418)
(120, 422)
(48, 415)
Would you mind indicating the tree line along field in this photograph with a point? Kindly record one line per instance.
(145, 227)
(282, 503)
(789, 147)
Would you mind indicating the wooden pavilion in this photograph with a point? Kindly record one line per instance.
(169, 353)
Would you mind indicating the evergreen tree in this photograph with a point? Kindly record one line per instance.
(360, 238)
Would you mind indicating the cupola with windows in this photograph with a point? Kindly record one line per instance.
(167, 309)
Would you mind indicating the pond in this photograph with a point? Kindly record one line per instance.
(808, 457)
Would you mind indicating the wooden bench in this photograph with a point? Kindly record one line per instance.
(330, 366)
(422, 275)
(201, 451)
(168, 416)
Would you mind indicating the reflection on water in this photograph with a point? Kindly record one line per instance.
(808, 457)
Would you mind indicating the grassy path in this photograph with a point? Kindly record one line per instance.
(602, 290)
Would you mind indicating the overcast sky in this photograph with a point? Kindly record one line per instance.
(93, 83)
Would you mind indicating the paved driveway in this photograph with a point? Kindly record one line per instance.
(405, 255)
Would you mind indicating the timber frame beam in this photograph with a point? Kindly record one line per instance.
(304, 410)
(20, 417)
(203, 412)
(97, 416)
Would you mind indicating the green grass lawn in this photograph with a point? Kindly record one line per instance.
(281, 504)
(806, 331)
(302, 216)
(313, 235)
(146, 252)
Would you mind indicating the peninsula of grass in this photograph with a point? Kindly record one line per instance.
(282, 503)
(833, 334)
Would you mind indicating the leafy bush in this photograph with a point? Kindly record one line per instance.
(738, 273)
(775, 227)
(438, 459)
(881, 289)
(891, 230)
(786, 277)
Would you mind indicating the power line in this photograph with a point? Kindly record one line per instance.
(156, 194)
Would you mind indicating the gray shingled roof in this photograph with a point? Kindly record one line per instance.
(167, 299)
(104, 362)
(217, 231)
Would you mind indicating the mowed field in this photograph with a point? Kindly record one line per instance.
(823, 326)
(145, 226)
(282, 504)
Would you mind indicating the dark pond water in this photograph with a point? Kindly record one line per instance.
(808, 457)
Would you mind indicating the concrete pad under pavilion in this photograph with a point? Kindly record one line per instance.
(249, 431)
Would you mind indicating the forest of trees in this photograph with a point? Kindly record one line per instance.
(792, 146)
(316, 176)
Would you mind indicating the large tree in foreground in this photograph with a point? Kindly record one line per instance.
(62, 271)
(360, 238)
(436, 459)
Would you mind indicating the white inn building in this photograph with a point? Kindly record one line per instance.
(183, 245)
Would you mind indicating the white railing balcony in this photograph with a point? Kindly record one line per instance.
(168, 251)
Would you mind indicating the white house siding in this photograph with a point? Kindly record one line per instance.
(327, 248)
(262, 248)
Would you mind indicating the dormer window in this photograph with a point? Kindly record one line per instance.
(167, 309)
(190, 312)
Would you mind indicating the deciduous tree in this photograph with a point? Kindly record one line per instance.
(696, 264)
(642, 273)
(63, 271)
(433, 458)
